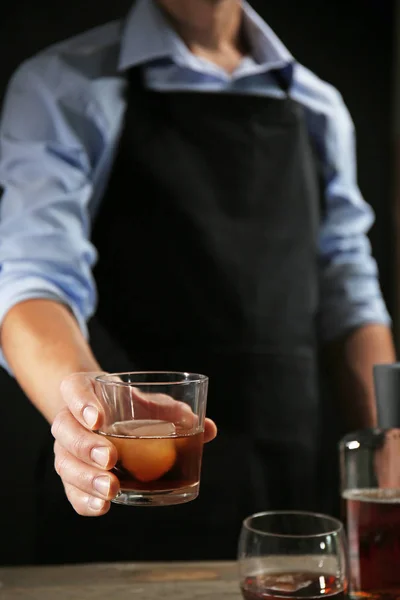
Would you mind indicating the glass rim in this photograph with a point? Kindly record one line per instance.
(336, 529)
(186, 378)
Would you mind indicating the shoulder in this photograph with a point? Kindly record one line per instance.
(327, 116)
(68, 94)
(317, 95)
(87, 56)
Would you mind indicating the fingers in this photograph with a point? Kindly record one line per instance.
(210, 430)
(88, 447)
(162, 407)
(84, 504)
(82, 460)
(78, 393)
(165, 408)
(89, 480)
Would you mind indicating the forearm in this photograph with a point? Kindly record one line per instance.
(42, 343)
(350, 362)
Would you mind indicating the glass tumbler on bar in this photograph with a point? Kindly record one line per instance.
(156, 422)
(292, 555)
(370, 480)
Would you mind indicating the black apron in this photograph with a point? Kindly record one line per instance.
(207, 238)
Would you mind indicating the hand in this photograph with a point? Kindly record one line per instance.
(83, 459)
(387, 460)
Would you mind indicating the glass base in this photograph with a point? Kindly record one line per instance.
(159, 498)
(390, 594)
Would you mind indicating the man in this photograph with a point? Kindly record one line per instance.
(215, 179)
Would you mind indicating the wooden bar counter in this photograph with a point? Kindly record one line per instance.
(156, 581)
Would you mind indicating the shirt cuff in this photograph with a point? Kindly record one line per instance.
(35, 288)
(336, 321)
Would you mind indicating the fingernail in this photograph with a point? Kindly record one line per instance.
(96, 503)
(100, 455)
(102, 485)
(90, 415)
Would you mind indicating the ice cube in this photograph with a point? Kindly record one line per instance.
(155, 429)
(123, 428)
(144, 428)
(287, 582)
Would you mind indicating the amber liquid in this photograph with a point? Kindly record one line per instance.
(158, 463)
(304, 584)
(373, 528)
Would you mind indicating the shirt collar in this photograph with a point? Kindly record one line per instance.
(147, 36)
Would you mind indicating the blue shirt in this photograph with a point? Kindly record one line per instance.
(60, 127)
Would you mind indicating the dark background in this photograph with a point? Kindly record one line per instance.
(351, 45)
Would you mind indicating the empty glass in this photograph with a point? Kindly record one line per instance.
(292, 555)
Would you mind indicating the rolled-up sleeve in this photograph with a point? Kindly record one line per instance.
(350, 290)
(45, 186)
